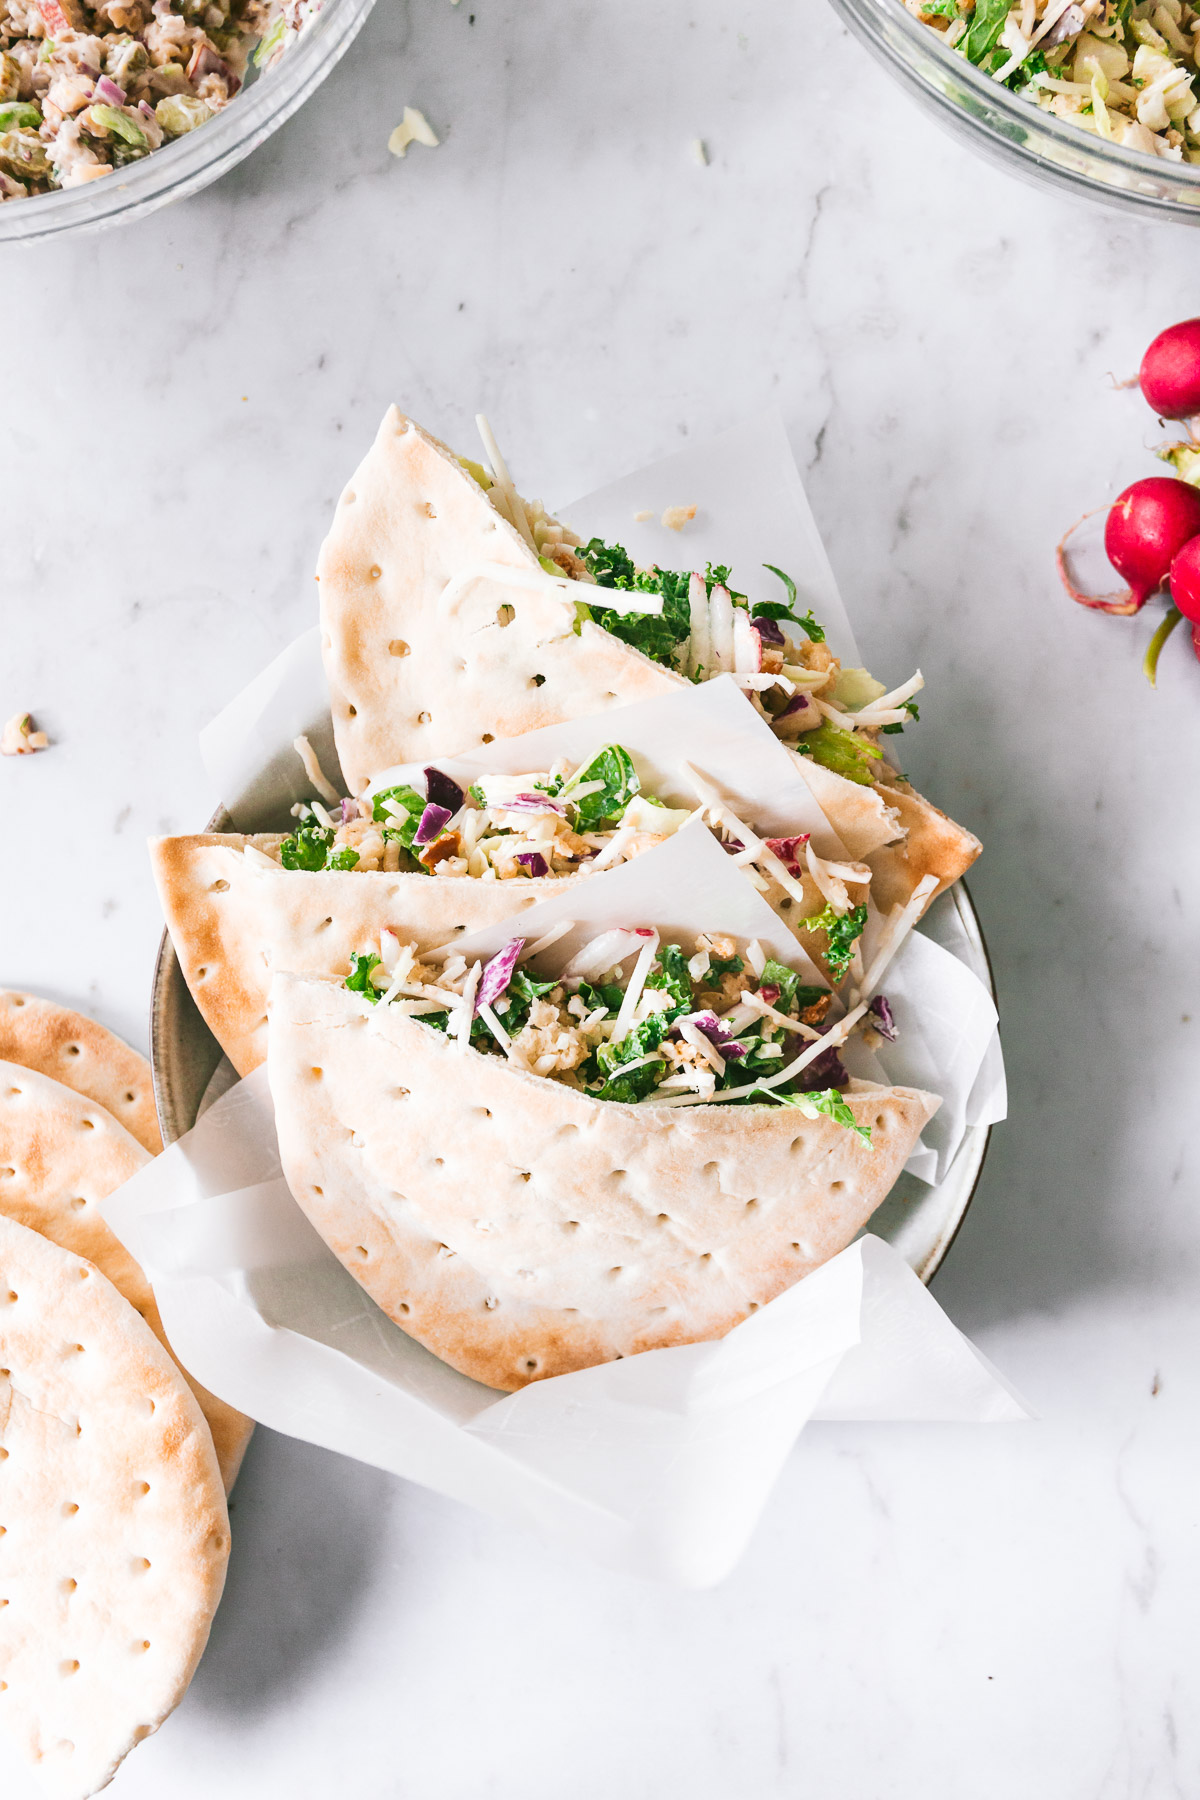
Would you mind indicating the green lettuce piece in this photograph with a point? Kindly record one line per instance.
(670, 972)
(827, 1101)
(345, 858)
(614, 767)
(609, 995)
(842, 751)
(843, 932)
(725, 965)
(523, 990)
(987, 22)
(774, 609)
(306, 848)
(413, 803)
(477, 794)
(359, 978)
(777, 974)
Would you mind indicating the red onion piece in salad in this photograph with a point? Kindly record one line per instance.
(109, 92)
(433, 822)
(768, 630)
(717, 1035)
(883, 1018)
(533, 863)
(349, 810)
(443, 790)
(532, 803)
(498, 973)
(788, 849)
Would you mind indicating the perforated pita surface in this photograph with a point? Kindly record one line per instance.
(82, 1055)
(233, 924)
(412, 677)
(520, 1229)
(60, 1155)
(115, 1537)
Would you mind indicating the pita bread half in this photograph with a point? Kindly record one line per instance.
(83, 1055)
(414, 675)
(519, 1228)
(60, 1155)
(116, 1534)
(233, 923)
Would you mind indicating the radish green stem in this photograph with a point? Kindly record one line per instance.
(1150, 663)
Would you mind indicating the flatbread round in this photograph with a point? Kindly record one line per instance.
(519, 1228)
(233, 922)
(60, 1155)
(82, 1055)
(116, 1536)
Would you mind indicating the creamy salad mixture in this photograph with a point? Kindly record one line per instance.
(632, 1019)
(1124, 69)
(88, 88)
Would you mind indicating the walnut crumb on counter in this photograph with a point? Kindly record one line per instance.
(19, 738)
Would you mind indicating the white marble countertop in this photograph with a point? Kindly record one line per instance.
(925, 1611)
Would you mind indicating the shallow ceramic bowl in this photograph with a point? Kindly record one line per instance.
(919, 1221)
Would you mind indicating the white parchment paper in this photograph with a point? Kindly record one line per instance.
(659, 1464)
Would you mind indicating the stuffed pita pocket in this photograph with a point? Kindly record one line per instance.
(432, 853)
(454, 612)
(533, 1172)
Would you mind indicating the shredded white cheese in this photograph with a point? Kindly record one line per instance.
(633, 992)
(314, 771)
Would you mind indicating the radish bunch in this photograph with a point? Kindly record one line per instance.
(1152, 534)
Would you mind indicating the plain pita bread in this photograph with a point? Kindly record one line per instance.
(60, 1156)
(234, 923)
(519, 1228)
(412, 677)
(83, 1055)
(116, 1534)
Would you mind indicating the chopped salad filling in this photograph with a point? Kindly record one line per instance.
(1123, 69)
(563, 821)
(634, 1020)
(88, 86)
(701, 626)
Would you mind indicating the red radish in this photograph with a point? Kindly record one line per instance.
(1146, 525)
(1170, 371)
(1185, 580)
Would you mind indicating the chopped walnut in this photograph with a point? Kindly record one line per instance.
(19, 737)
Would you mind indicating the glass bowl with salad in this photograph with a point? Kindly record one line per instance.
(1100, 97)
(113, 108)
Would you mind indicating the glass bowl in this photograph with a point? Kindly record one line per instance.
(1012, 132)
(184, 167)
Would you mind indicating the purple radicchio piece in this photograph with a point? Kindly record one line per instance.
(768, 630)
(825, 1071)
(349, 811)
(796, 704)
(443, 790)
(788, 849)
(717, 1035)
(433, 821)
(498, 973)
(883, 1018)
(533, 863)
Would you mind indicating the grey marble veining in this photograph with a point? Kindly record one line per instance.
(925, 1612)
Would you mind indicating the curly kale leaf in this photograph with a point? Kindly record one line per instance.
(843, 930)
(306, 848)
